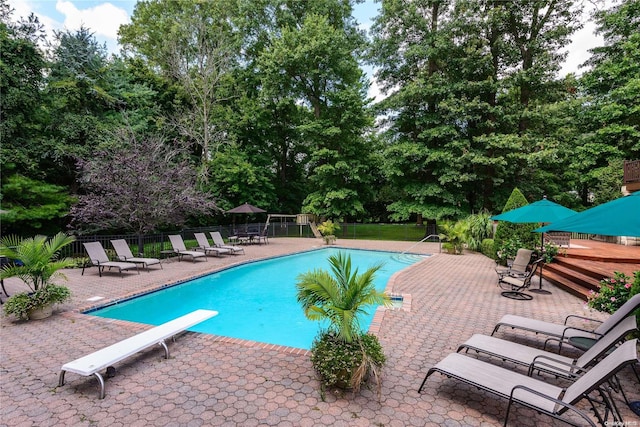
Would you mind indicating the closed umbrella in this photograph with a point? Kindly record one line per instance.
(619, 217)
(544, 211)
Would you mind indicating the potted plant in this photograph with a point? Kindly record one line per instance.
(342, 354)
(454, 235)
(327, 229)
(35, 260)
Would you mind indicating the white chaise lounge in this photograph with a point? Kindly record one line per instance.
(92, 363)
(99, 258)
(124, 254)
(203, 243)
(181, 250)
(219, 242)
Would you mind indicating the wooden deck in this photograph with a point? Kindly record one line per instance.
(580, 268)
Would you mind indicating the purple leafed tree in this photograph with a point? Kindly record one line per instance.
(138, 185)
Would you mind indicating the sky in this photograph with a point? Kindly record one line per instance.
(103, 18)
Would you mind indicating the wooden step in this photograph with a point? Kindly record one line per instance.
(577, 276)
(592, 269)
(566, 284)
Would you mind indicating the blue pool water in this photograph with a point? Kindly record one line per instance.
(255, 301)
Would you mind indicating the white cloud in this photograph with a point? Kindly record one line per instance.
(103, 19)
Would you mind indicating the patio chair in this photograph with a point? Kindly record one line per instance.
(219, 242)
(517, 268)
(181, 250)
(516, 285)
(263, 236)
(537, 394)
(124, 254)
(581, 338)
(203, 243)
(552, 363)
(98, 258)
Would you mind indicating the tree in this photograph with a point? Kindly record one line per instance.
(193, 44)
(609, 118)
(463, 79)
(138, 185)
(33, 205)
(313, 61)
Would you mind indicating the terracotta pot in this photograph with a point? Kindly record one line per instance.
(41, 312)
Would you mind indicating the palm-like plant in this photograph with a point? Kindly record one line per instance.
(343, 355)
(38, 261)
(340, 298)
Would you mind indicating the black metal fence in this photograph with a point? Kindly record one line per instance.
(153, 245)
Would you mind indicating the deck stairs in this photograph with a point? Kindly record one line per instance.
(581, 273)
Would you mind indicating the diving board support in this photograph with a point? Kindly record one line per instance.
(92, 363)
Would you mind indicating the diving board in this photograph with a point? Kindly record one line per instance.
(92, 363)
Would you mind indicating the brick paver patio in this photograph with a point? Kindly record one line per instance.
(211, 381)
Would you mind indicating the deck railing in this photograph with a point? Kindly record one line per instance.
(631, 171)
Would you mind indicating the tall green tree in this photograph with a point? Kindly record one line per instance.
(315, 63)
(610, 117)
(463, 78)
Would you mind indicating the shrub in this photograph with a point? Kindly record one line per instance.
(479, 227)
(506, 231)
(21, 304)
(614, 292)
(347, 364)
(488, 248)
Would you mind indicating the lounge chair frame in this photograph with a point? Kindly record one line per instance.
(560, 400)
(545, 361)
(124, 254)
(219, 242)
(203, 244)
(98, 258)
(180, 249)
(565, 333)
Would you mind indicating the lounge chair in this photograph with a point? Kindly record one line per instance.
(536, 394)
(519, 266)
(99, 258)
(516, 285)
(124, 254)
(581, 338)
(181, 250)
(219, 242)
(552, 363)
(203, 243)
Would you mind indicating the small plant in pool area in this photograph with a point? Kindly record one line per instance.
(36, 262)
(328, 229)
(342, 354)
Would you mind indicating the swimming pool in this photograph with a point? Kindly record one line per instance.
(255, 301)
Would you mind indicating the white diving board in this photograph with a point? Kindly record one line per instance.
(92, 363)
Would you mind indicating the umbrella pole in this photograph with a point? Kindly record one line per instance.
(540, 290)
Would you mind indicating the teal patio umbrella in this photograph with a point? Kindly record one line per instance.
(541, 211)
(619, 217)
(544, 211)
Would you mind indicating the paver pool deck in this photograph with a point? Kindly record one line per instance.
(218, 381)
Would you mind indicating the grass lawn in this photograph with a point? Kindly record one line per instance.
(408, 232)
